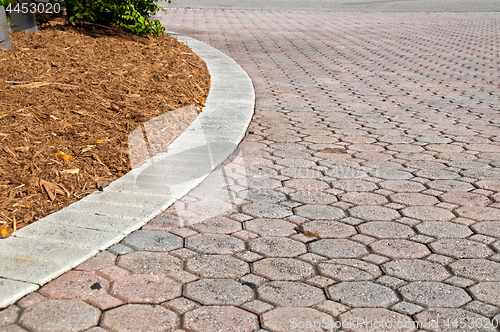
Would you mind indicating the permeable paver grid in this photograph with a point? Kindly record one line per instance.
(367, 190)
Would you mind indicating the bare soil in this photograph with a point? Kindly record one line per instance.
(69, 98)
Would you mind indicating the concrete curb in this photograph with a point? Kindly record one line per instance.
(57, 243)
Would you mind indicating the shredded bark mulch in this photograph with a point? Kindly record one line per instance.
(69, 98)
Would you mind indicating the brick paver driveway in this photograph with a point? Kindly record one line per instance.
(365, 196)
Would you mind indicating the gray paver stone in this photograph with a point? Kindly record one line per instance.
(487, 292)
(316, 211)
(477, 269)
(398, 248)
(373, 213)
(220, 318)
(362, 294)
(338, 248)
(290, 294)
(215, 244)
(349, 270)
(277, 247)
(283, 269)
(218, 292)
(153, 240)
(461, 248)
(386, 230)
(443, 229)
(434, 294)
(144, 262)
(266, 210)
(270, 227)
(416, 270)
(217, 266)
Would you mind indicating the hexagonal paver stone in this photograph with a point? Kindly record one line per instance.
(60, 315)
(215, 243)
(363, 198)
(262, 195)
(273, 246)
(270, 227)
(416, 270)
(217, 266)
(313, 211)
(465, 198)
(443, 229)
(349, 270)
(141, 288)
(285, 319)
(329, 229)
(283, 269)
(140, 317)
(414, 199)
(490, 228)
(218, 292)
(427, 213)
(386, 230)
(301, 173)
(479, 213)
(354, 185)
(266, 210)
(290, 294)
(402, 186)
(461, 248)
(144, 262)
(220, 318)
(391, 174)
(338, 248)
(313, 197)
(493, 185)
(76, 285)
(218, 225)
(9, 315)
(376, 319)
(362, 294)
(434, 294)
(307, 184)
(477, 269)
(370, 213)
(101, 260)
(487, 292)
(437, 174)
(345, 173)
(450, 185)
(449, 320)
(153, 240)
(396, 248)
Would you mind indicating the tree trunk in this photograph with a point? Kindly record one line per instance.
(24, 22)
(4, 31)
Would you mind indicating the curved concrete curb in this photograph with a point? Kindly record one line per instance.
(44, 250)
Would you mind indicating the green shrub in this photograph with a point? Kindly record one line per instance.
(5, 3)
(132, 15)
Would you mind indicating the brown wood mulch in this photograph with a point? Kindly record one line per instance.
(69, 98)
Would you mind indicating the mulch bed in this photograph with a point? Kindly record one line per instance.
(69, 98)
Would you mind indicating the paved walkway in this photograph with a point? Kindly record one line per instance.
(365, 195)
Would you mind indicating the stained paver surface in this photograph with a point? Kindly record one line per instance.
(364, 197)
